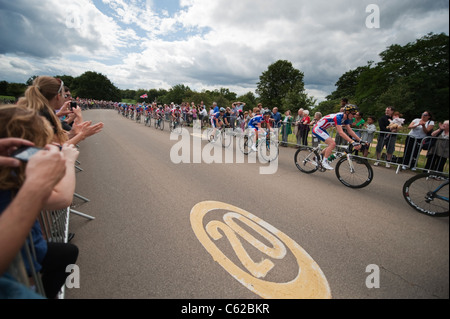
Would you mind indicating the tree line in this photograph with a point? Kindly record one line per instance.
(412, 78)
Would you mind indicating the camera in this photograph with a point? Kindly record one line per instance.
(24, 153)
(73, 105)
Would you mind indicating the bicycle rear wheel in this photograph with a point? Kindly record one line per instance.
(306, 160)
(268, 150)
(161, 124)
(227, 136)
(355, 174)
(246, 143)
(428, 194)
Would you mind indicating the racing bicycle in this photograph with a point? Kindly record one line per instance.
(159, 122)
(267, 145)
(351, 170)
(176, 126)
(428, 193)
(223, 133)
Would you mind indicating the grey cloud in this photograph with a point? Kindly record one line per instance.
(34, 30)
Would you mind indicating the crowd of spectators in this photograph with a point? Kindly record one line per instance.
(44, 118)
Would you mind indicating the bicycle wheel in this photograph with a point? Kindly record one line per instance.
(428, 194)
(226, 138)
(246, 143)
(306, 160)
(161, 124)
(355, 174)
(269, 150)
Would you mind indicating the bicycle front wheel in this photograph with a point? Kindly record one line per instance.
(428, 194)
(356, 173)
(161, 124)
(306, 160)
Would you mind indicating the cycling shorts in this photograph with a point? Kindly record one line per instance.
(320, 133)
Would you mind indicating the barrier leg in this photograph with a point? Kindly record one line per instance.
(81, 214)
(81, 197)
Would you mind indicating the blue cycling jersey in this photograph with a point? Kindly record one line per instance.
(255, 120)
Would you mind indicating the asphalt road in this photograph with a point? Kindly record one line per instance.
(142, 243)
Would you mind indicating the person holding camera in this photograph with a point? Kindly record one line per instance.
(45, 96)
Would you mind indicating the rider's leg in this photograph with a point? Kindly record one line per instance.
(331, 145)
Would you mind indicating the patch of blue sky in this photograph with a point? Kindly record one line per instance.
(185, 33)
(166, 7)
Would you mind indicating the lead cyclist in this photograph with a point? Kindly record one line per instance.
(337, 120)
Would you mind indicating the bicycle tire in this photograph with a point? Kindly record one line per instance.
(245, 144)
(269, 150)
(226, 138)
(306, 160)
(161, 124)
(418, 190)
(361, 177)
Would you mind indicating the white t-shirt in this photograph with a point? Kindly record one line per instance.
(418, 132)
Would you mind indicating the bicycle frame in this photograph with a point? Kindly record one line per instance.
(434, 194)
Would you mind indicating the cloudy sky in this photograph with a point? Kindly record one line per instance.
(206, 44)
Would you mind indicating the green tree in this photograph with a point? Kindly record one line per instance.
(412, 78)
(95, 86)
(175, 94)
(281, 85)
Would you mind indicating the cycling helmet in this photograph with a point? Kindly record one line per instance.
(351, 108)
(222, 109)
(267, 112)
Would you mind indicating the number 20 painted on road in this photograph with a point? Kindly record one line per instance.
(310, 282)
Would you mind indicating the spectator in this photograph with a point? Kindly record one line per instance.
(385, 139)
(43, 171)
(419, 129)
(358, 123)
(286, 128)
(298, 121)
(276, 118)
(304, 126)
(438, 153)
(215, 108)
(52, 258)
(45, 96)
(241, 121)
(368, 132)
(317, 117)
(203, 114)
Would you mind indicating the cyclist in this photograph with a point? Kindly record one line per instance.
(176, 114)
(217, 120)
(338, 120)
(159, 114)
(255, 124)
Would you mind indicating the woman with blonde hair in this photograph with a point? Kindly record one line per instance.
(51, 258)
(45, 96)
